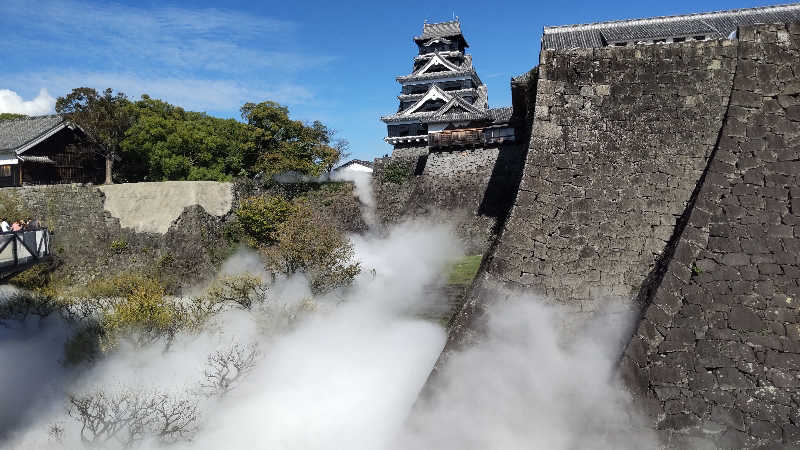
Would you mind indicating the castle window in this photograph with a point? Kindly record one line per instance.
(620, 44)
(5, 171)
(699, 38)
(659, 41)
(679, 39)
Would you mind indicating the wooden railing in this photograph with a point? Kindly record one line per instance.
(22, 249)
(470, 137)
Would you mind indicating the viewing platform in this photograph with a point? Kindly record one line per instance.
(20, 250)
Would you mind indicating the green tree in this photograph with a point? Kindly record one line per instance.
(284, 144)
(11, 116)
(104, 117)
(168, 143)
(261, 216)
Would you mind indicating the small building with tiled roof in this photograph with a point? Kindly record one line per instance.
(666, 29)
(444, 94)
(355, 165)
(46, 150)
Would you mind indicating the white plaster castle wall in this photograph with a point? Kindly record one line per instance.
(152, 207)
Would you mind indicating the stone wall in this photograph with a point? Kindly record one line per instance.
(619, 139)
(472, 189)
(668, 176)
(84, 235)
(716, 357)
(162, 226)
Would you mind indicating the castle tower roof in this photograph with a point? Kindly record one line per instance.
(439, 30)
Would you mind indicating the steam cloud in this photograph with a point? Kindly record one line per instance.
(348, 374)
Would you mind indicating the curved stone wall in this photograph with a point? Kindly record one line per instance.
(716, 357)
(619, 139)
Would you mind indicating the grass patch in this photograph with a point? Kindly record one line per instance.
(464, 270)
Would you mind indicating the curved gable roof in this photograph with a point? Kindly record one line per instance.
(21, 134)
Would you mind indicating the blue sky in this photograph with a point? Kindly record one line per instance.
(333, 61)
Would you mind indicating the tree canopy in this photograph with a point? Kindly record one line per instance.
(152, 140)
(104, 117)
(11, 116)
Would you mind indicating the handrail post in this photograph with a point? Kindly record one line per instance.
(14, 249)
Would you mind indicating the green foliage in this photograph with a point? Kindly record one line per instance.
(463, 271)
(157, 141)
(165, 261)
(397, 172)
(36, 279)
(116, 286)
(104, 117)
(168, 143)
(144, 316)
(11, 116)
(11, 208)
(119, 246)
(289, 145)
(260, 217)
(305, 243)
(243, 290)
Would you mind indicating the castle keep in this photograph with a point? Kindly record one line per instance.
(443, 102)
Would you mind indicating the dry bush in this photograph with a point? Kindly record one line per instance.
(226, 368)
(243, 290)
(305, 243)
(130, 417)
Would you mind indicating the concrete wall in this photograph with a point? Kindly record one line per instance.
(716, 357)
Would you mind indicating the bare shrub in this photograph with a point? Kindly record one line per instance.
(129, 417)
(226, 368)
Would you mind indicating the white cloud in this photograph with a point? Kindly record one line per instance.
(195, 94)
(11, 102)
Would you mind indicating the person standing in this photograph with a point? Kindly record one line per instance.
(4, 226)
(16, 226)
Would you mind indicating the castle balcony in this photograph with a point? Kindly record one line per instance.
(471, 137)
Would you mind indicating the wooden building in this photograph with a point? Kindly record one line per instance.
(47, 150)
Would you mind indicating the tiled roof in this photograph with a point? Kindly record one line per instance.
(434, 75)
(356, 161)
(501, 115)
(715, 25)
(460, 92)
(441, 29)
(19, 132)
(37, 159)
(496, 115)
